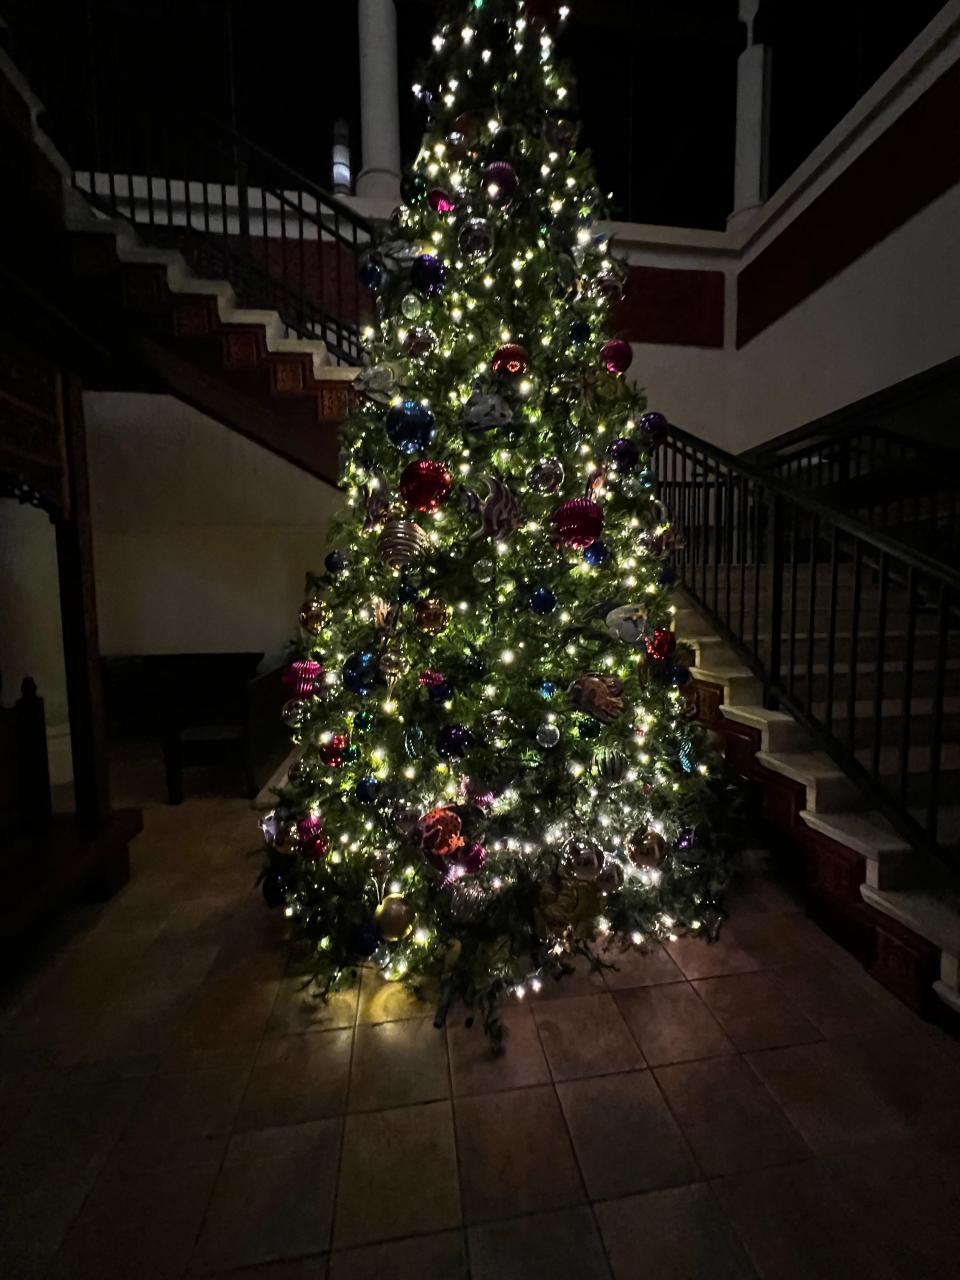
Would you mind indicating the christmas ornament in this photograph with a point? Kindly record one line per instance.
(293, 713)
(431, 616)
(413, 741)
(646, 849)
(394, 918)
(317, 847)
(560, 132)
(546, 689)
(439, 832)
(627, 622)
(425, 484)
(440, 201)
(376, 502)
(428, 275)
(274, 887)
(411, 306)
(413, 188)
(545, 476)
(359, 672)
(466, 130)
(484, 571)
(476, 239)
(600, 696)
(401, 543)
(543, 13)
(623, 454)
(314, 615)
(334, 749)
(392, 667)
(609, 287)
(585, 858)
(379, 382)
(410, 426)
(576, 523)
(420, 341)
(363, 721)
(653, 427)
(596, 553)
(500, 183)
(611, 765)
(510, 360)
(610, 879)
(666, 576)
(364, 939)
(660, 644)
(588, 728)
(580, 332)
(335, 562)
(542, 600)
(472, 859)
(302, 677)
(454, 741)
(499, 512)
(366, 790)
(486, 412)
(308, 827)
(371, 275)
(548, 735)
(617, 356)
(404, 818)
(302, 772)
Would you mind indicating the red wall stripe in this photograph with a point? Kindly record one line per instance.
(672, 305)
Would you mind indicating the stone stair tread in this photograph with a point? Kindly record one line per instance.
(933, 913)
(868, 833)
(803, 766)
(756, 717)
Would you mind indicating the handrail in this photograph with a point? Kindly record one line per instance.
(852, 632)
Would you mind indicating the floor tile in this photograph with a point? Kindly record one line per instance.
(297, 1078)
(396, 1064)
(583, 980)
(671, 1023)
(514, 1154)
(274, 1196)
(382, 1001)
(636, 968)
(298, 1009)
(585, 1036)
(826, 1098)
(755, 1012)
(832, 1000)
(314, 1268)
(398, 1175)
(137, 1228)
(563, 1245)
(180, 1120)
(698, 958)
(223, 1012)
(436, 1257)
(915, 1072)
(476, 1069)
(678, 1234)
(728, 1116)
(793, 1226)
(625, 1137)
(34, 1220)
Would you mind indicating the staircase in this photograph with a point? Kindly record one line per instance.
(828, 659)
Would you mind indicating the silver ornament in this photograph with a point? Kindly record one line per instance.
(627, 623)
(293, 713)
(611, 765)
(545, 476)
(610, 878)
(486, 412)
(585, 858)
(484, 571)
(314, 615)
(411, 306)
(401, 543)
(548, 735)
(379, 382)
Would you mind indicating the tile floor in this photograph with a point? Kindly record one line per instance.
(173, 1105)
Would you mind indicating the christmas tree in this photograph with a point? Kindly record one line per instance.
(499, 769)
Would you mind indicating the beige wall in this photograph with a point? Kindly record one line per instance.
(201, 538)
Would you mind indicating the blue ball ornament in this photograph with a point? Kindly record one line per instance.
(407, 593)
(596, 553)
(371, 275)
(667, 575)
(428, 275)
(360, 672)
(647, 478)
(546, 689)
(580, 332)
(454, 741)
(542, 600)
(364, 939)
(441, 692)
(366, 790)
(274, 888)
(410, 426)
(335, 562)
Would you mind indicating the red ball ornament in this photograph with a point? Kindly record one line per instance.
(334, 749)
(511, 360)
(317, 848)
(425, 484)
(617, 356)
(660, 644)
(543, 13)
(576, 523)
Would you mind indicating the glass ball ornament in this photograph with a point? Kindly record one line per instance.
(394, 917)
(392, 665)
(431, 616)
(302, 677)
(473, 859)
(623, 454)
(401, 543)
(617, 356)
(314, 615)
(425, 484)
(302, 772)
(294, 713)
(411, 306)
(366, 790)
(546, 476)
(332, 751)
(548, 735)
(542, 601)
(484, 571)
(316, 848)
(653, 427)
(646, 478)
(359, 672)
(335, 562)
(511, 360)
(466, 130)
(441, 692)
(404, 818)
(609, 286)
(476, 239)
(363, 722)
(596, 554)
(439, 832)
(610, 879)
(413, 188)
(500, 183)
(611, 765)
(440, 201)
(666, 576)
(546, 689)
(410, 426)
(364, 939)
(576, 523)
(561, 132)
(584, 857)
(588, 729)
(274, 888)
(580, 332)
(660, 644)
(371, 275)
(428, 275)
(420, 341)
(454, 741)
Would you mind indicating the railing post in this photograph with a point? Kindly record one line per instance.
(775, 631)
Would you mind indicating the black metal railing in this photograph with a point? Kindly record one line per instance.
(236, 213)
(852, 632)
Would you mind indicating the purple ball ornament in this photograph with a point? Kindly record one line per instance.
(454, 741)
(617, 356)
(441, 201)
(500, 183)
(428, 275)
(473, 859)
(653, 427)
(623, 454)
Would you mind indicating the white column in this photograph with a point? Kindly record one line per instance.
(379, 103)
(752, 124)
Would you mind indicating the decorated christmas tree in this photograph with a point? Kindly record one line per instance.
(499, 767)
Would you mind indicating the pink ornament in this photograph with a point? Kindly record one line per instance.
(302, 677)
(317, 848)
(440, 201)
(308, 827)
(617, 356)
(576, 523)
(430, 679)
(472, 861)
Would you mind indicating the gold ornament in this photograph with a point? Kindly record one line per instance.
(401, 543)
(314, 615)
(432, 616)
(646, 849)
(392, 666)
(394, 917)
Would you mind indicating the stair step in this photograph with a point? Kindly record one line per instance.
(932, 913)
(779, 731)
(829, 790)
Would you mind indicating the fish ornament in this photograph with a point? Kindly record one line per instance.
(376, 499)
(499, 512)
